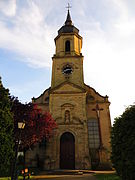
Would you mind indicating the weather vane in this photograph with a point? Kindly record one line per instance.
(68, 6)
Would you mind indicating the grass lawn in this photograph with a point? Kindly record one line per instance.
(107, 177)
(9, 178)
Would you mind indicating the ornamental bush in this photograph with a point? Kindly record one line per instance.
(123, 144)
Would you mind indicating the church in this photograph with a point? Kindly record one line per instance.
(82, 137)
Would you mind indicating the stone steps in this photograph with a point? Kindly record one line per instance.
(65, 172)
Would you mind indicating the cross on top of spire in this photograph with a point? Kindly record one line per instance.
(68, 20)
(68, 6)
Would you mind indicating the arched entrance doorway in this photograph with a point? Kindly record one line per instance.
(67, 151)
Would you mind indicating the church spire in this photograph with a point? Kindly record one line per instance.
(68, 20)
(68, 27)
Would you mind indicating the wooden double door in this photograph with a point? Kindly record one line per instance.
(67, 151)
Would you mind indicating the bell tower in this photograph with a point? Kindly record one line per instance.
(68, 59)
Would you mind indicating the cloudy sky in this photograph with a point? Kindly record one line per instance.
(27, 32)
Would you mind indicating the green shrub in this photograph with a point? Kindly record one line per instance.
(123, 144)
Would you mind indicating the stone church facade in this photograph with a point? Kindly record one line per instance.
(82, 137)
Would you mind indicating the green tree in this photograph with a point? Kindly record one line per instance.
(123, 144)
(6, 132)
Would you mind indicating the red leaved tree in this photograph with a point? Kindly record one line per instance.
(38, 125)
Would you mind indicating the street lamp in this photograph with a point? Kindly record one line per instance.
(21, 126)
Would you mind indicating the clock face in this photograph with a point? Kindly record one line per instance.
(67, 69)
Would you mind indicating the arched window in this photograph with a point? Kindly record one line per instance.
(67, 46)
(67, 116)
(93, 133)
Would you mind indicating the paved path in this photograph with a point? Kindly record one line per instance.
(69, 175)
(65, 177)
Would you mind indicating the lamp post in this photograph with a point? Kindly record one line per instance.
(21, 126)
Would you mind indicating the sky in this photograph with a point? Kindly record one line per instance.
(27, 32)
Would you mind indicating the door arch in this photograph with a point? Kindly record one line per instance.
(67, 151)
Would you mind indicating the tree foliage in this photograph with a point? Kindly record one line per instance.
(123, 144)
(6, 131)
(38, 125)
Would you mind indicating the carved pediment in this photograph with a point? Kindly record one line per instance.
(67, 87)
(67, 105)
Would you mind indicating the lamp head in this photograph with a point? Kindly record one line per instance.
(21, 125)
